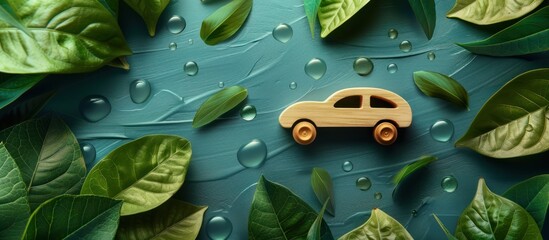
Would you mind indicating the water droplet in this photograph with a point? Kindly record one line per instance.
(95, 108)
(173, 46)
(88, 151)
(219, 228)
(392, 68)
(414, 213)
(431, 56)
(316, 68)
(393, 33)
(293, 85)
(190, 41)
(176, 24)
(363, 66)
(252, 154)
(283, 33)
(248, 112)
(405, 46)
(191, 68)
(442, 131)
(363, 183)
(221, 84)
(529, 128)
(378, 195)
(449, 184)
(140, 90)
(347, 166)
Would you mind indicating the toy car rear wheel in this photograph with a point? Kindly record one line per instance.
(304, 132)
(385, 133)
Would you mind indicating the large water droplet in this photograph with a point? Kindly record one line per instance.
(176, 24)
(316, 68)
(283, 33)
(529, 128)
(347, 166)
(172, 46)
(378, 195)
(449, 184)
(363, 66)
(221, 84)
(191, 68)
(140, 90)
(293, 85)
(442, 130)
(219, 228)
(95, 108)
(392, 68)
(431, 56)
(393, 33)
(252, 154)
(363, 183)
(88, 151)
(248, 112)
(405, 46)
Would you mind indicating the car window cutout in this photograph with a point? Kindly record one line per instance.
(354, 101)
(378, 102)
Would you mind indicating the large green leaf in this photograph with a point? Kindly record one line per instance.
(277, 213)
(111, 5)
(321, 181)
(315, 232)
(14, 206)
(533, 195)
(379, 226)
(333, 13)
(23, 109)
(13, 86)
(75, 217)
(441, 86)
(426, 15)
(48, 156)
(172, 220)
(66, 36)
(311, 10)
(529, 35)
(490, 216)
(143, 173)
(225, 22)
(484, 12)
(149, 10)
(514, 121)
(218, 104)
(9, 16)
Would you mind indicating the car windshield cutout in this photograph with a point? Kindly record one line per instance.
(354, 101)
(379, 102)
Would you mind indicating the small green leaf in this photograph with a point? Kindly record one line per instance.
(411, 168)
(426, 15)
(13, 86)
(490, 216)
(277, 213)
(333, 13)
(311, 10)
(172, 220)
(225, 22)
(441, 86)
(529, 35)
(514, 121)
(315, 230)
(23, 109)
(150, 11)
(321, 181)
(121, 63)
(8, 16)
(444, 229)
(533, 195)
(218, 104)
(379, 226)
(74, 217)
(484, 12)
(143, 173)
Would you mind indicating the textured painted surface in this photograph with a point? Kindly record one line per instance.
(254, 59)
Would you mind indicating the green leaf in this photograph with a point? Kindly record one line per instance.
(514, 121)
(333, 13)
(277, 213)
(490, 216)
(8, 16)
(379, 226)
(143, 173)
(111, 5)
(14, 205)
(23, 109)
(411, 168)
(441, 86)
(149, 10)
(48, 156)
(484, 12)
(218, 104)
(121, 63)
(315, 230)
(172, 220)
(225, 22)
(426, 15)
(321, 181)
(74, 217)
(444, 229)
(66, 36)
(529, 35)
(533, 195)
(13, 86)
(311, 10)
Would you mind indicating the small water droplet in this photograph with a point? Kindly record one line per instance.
(316, 68)
(405, 46)
(140, 90)
(88, 151)
(529, 128)
(191, 68)
(414, 213)
(392, 68)
(347, 166)
(442, 130)
(221, 84)
(95, 108)
(363, 66)
(293, 85)
(176, 24)
(252, 154)
(431, 56)
(363, 183)
(173, 46)
(283, 33)
(449, 184)
(219, 228)
(248, 112)
(378, 195)
(393, 33)
(190, 41)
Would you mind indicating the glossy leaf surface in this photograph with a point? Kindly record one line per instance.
(533, 195)
(484, 12)
(13, 86)
(8, 15)
(438, 85)
(149, 10)
(218, 104)
(379, 226)
(225, 22)
(311, 10)
(321, 181)
(425, 14)
(333, 13)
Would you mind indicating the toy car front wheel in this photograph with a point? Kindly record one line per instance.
(304, 132)
(385, 133)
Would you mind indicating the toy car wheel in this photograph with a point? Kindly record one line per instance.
(385, 133)
(304, 133)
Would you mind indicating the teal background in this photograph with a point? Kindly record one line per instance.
(255, 60)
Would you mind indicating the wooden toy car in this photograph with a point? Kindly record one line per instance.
(352, 107)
